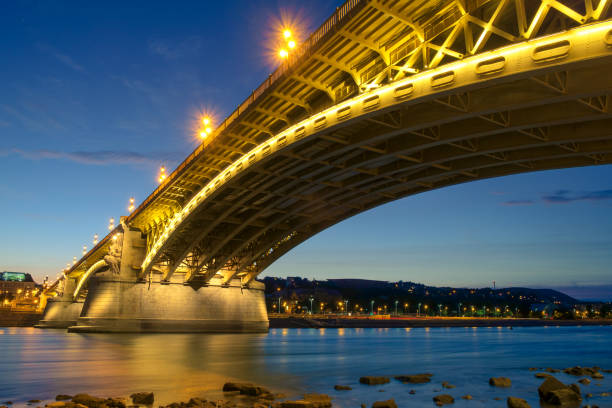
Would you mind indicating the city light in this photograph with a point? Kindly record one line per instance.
(290, 44)
(95, 239)
(162, 174)
(84, 249)
(131, 206)
(111, 224)
(207, 129)
(74, 260)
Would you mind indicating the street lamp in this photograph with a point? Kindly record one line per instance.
(396, 302)
(346, 302)
(459, 309)
(440, 310)
(372, 307)
(419, 310)
(311, 299)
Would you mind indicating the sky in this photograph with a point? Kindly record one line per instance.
(94, 97)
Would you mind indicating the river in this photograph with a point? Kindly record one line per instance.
(38, 364)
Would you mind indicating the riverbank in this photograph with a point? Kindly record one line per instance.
(364, 322)
(13, 318)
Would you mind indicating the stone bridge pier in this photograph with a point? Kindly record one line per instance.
(63, 311)
(117, 301)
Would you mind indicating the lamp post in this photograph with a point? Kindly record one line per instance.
(372, 307)
(405, 307)
(440, 310)
(279, 305)
(396, 302)
(311, 300)
(419, 310)
(459, 309)
(346, 302)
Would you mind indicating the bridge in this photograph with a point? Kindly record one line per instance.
(387, 99)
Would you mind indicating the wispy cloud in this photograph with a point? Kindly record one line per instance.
(519, 202)
(174, 50)
(63, 58)
(101, 157)
(566, 196)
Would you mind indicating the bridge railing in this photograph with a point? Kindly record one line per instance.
(305, 48)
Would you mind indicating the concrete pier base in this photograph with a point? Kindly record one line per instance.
(114, 305)
(60, 313)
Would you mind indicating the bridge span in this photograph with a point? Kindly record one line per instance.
(386, 99)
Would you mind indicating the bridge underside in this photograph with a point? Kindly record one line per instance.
(544, 120)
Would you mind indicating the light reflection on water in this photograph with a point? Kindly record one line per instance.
(42, 363)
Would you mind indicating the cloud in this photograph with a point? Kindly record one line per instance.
(519, 202)
(101, 157)
(169, 50)
(566, 196)
(63, 58)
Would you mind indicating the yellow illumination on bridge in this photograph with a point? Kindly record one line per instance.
(287, 34)
(422, 79)
(111, 224)
(95, 239)
(162, 174)
(131, 206)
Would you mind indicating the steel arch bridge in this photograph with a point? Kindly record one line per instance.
(388, 98)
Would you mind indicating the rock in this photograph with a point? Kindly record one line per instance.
(296, 404)
(443, 399)
(564, 396)
(575, 388)
(363, 405)
(65, 404)
(498, 398)
(412, 392)
(245, 389)
(415, 378)
(385, 404)
(581, 371)
(89, 401)
(372, 380)
(584, 381)
(115, 402)
(549, 385)
(552, 370)
(607, 371)
(500, 382)
(33, 401)
(555, 392)
(63, 397)
(467, 397)
(342, 388)
(447, 385)
(514, 402)
(542, 375)
(532, 368)
(597, 376)
(318, 400)
(604, 394)
(589, 395)
(143, 398)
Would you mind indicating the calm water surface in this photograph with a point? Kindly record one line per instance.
(39, 364)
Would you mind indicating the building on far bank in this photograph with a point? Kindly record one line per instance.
(18, 289)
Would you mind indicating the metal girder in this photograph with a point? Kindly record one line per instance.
(315, 84)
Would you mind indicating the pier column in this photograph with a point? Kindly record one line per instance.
(118, 302)
(62, 312)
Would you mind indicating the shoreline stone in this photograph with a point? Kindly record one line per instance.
(415, 378)
(503, 382)
(443, 399)
(374, 380)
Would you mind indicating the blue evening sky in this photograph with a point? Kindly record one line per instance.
(94, 97)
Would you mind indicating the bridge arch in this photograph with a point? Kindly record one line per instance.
(526, 107)
(96, 267)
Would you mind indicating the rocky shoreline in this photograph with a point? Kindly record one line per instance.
(551, 392)
(339, 322)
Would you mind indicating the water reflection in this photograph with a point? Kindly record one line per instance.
(41, 363)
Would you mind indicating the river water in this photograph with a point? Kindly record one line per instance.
(38, 364)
